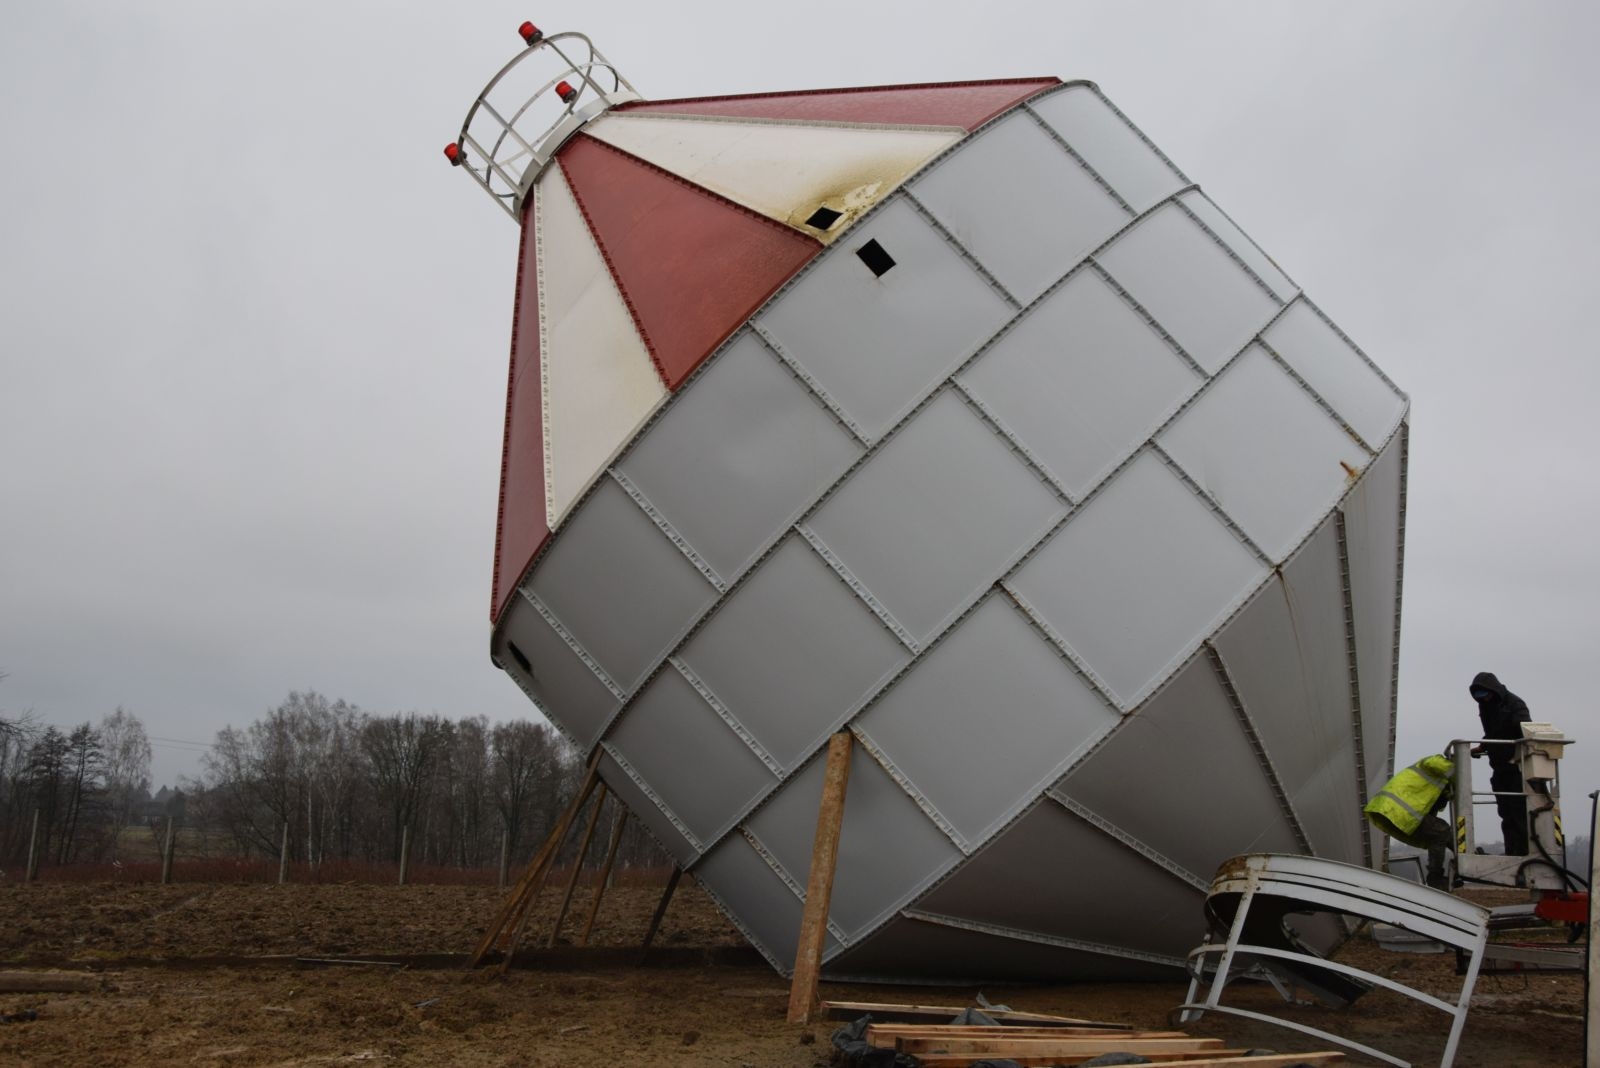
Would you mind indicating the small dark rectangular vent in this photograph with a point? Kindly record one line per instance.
(516, 654)
(823, 218)
(877, 260)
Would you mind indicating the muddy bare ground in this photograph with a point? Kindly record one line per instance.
(206, 975)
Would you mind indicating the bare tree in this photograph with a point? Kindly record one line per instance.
(126, 750)
(401, 751)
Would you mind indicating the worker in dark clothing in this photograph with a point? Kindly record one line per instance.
(1503, 713)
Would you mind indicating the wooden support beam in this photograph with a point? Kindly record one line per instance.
(605, 872)
(513, 911)
(661, 911)
(577, 864)
(819, 886)
(887, 1012)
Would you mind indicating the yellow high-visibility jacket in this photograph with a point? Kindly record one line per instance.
(1410, 797)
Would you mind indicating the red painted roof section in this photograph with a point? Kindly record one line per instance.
(965, 104)
(523, 526)
(691, 265)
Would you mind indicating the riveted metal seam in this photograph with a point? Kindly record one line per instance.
(922, 801)
(1010, 440)
(1238, 261)
(805, 378)
(726, 714)
(857, 587)
(1327, 408)
(1019, 934)
(1355, 678)
(1116, 833)
(1151, 145)
(1209, 501)
(573, 643)
(1253, 244)
(1150, 320)
(638, 497)
(1225, 678)
(1331, 325)
(961, 250)
(826, 124)
(1404, 444)
(1062, 648)
(551, 517)
(1062, 142)
(656, 799)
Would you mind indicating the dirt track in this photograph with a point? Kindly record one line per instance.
(205, 975)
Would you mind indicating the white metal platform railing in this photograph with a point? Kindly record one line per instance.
(530, 108)
(1305, 884)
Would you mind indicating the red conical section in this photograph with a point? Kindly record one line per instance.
(691, 266)
(964, 104)
(523, 526)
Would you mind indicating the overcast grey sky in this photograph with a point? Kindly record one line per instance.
(256, 329)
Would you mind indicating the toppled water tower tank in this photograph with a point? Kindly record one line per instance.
(958, 417)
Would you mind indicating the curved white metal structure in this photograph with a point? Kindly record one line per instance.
(956, 416)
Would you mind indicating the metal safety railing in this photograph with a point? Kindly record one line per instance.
(506, 141)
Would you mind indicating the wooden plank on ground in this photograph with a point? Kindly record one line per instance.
(1054, 1046)
(46, 983)
(1231, 1059)
(889, 1012)
(885, 1034)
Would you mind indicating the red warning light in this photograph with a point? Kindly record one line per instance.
(454, 154)
(531, 33)
(566, 92)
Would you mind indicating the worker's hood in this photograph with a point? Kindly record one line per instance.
(1485, 680)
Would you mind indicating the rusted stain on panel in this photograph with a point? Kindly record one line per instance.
(785, 172)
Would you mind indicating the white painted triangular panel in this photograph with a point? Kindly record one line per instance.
(782, 171)
(599, 382)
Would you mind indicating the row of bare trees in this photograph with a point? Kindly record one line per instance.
(348, 785)
(82, 788)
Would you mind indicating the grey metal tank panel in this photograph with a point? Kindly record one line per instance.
(937, 952)
(1053, 871)
(937, 514)
(563, 680)
(1191, 285)
(1106, 142)
(1104, 536)
(1235, 240)
(765, 906)
(1029, 222)
(1261, 447)
(1138, 577)
(889, 849)
(642, 807)
(986, 719)
(876, 346)
(739, 456)
(619, 586)
(760, 653)
(1285, 654)
(1339, 374)
(673, 739)
(1373, 547)
(1081, 382)
(1180, 777)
